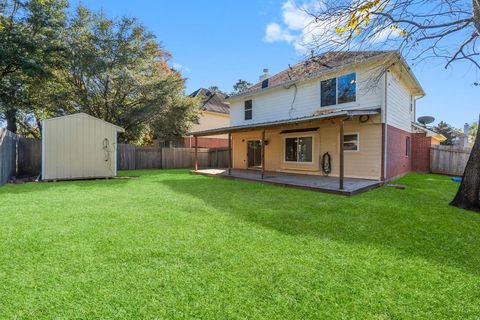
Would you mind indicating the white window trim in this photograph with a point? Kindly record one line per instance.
(298, 136)
(336, 90)
(251, 119)
(358, 142)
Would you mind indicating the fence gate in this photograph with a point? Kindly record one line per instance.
(29, 157)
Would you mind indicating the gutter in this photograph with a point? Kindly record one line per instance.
(341, 113)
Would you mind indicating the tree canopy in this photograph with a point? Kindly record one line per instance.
(113, 69)
(241, 85)
(448, 131)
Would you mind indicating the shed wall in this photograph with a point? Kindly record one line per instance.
(73, 148)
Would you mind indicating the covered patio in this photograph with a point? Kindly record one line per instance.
(351, 186)
(338, 183)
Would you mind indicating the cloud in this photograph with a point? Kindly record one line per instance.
(303, 32)
(299, 28)
(275, 32)
(181, 68)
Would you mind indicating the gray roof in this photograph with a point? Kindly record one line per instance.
(261, 125)
(313, 67)
(212, 101)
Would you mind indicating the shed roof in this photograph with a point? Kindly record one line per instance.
(82, 114)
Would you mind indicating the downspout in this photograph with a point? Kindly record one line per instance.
(385, 131)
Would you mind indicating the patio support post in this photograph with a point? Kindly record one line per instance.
(263, 153)
(342, 164)
(196, 153)
(229, 154)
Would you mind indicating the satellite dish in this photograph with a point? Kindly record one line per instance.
(426, 120)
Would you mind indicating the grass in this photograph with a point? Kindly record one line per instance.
(169, 244)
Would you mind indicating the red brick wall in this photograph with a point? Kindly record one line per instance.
(421, 152)
(206, 142)
(398, 163)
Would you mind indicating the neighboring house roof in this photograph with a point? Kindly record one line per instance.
(212, 101)
(318, 65)
(84, 115)
(329, 115)
(430, 133)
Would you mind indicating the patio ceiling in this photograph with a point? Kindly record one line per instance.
(270, 124)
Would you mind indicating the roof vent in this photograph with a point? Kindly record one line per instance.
(264, 76)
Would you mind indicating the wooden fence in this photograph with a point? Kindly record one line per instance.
(8, 155)
(131, 157)
(29, 157)
(23, 157)
(449, 160)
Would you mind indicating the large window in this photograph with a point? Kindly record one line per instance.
(350, 142)
(329, 92)
(248, 110)
(298, 149)
(338, 90)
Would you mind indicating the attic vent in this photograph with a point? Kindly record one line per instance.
(264, 83)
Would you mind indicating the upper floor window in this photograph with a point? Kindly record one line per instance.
(248, 110)
(338, 90)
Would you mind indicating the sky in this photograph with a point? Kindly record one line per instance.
(217, 42)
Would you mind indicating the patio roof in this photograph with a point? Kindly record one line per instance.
(269, 124)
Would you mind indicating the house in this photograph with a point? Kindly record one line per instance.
(79, 146)
(340, 114)
(215, 113)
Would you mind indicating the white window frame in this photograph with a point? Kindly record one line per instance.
(251, 119)
(336, 90)
(298, 136)
(358, 141)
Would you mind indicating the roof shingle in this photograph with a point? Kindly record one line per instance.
(314, 66)
(212, 101)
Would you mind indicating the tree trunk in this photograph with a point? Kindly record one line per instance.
(468, 195)
(476, 14)
(11, 117)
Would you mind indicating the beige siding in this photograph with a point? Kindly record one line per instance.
(366, 163)
(212, 120)
(73, 148)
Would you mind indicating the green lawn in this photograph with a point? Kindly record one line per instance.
(169, 244)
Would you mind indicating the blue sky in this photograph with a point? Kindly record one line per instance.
(219, 42)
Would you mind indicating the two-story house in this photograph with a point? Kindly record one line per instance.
(214, 113)
(341, 114)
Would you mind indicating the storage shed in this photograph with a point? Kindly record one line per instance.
(79, 146)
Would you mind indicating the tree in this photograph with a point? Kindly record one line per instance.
(472, 133)
(115, 70)
(468, 195)
(214, 89)
(241, 85)
(420, 29)
(30, 44)
(451, 133)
